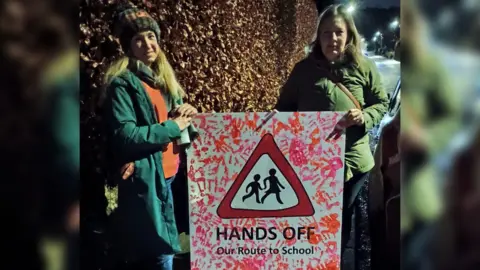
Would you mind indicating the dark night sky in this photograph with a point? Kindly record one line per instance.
(382, 3)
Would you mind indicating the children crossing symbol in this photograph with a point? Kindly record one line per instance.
(267, 171)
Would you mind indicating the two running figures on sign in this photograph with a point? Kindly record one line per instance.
(273, 187)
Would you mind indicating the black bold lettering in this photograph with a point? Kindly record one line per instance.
(300, 231)
(247, 233)
(272, 233)
(224, 233)
(289, 233)
(261, 233)
(234, 234)
(310, 232)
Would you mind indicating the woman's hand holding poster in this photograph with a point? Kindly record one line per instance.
(266, 194)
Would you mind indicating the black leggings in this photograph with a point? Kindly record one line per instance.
(356, 246)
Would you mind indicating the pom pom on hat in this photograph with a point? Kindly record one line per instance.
(131, 20)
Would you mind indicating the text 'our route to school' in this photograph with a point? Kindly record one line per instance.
(263, 251)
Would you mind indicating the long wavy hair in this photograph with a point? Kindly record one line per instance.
(353, 48)
(163, 72)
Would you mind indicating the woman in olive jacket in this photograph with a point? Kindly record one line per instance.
(335, 56)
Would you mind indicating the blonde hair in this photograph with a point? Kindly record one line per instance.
(162, 70)
(353, 49)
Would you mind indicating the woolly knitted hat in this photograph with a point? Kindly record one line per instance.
(130, 21)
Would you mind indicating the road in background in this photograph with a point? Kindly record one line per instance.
(390, 71)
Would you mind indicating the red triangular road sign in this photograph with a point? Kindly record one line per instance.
(267, 146)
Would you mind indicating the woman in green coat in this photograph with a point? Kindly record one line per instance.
(335, 56)
(145, 119)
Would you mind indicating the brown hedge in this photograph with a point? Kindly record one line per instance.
(230, 55)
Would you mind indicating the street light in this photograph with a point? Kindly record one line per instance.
(374, 39)
(394, 24)
(378, 33)
(351, 9)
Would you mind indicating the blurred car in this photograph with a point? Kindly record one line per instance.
(393, 107)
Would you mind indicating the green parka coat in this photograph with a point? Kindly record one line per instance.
(144, 221)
